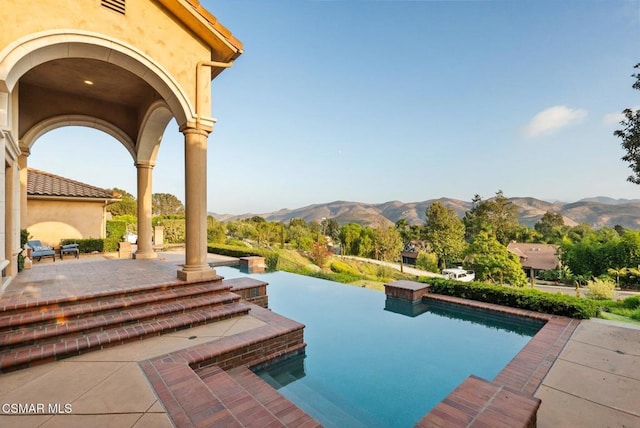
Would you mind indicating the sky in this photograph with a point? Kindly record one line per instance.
(374, 101)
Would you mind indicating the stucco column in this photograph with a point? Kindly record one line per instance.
(195, 159)
(145, 248)
(22, 164)
(12, 236)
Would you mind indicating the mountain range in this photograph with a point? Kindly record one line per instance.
(598, 212)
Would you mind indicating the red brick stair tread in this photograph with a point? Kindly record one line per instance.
(188, 399)
(28, 334)
(14, 306)
(241, 403)
(44, 313)
(277, 403)
(71, 346)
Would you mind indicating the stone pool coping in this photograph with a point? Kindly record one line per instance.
(179, 378)
(507, 400)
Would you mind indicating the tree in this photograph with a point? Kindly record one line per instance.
(492, 262)
(297, 222)
(596, 252)
(548, 221)
(216, 231)
(127, 205)
(121, 193)
(349, 235)
(408, 232)
(630, 135)
(364, 243)
(299, 236)
(472, 220)
(550, 226)
(498, 215)
(444, 231)
(166, 204)
(330, 228)
(386, 243)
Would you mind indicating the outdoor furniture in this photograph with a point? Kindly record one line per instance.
(39, 251)
(69, 249)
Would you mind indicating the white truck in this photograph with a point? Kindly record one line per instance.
(459, 274)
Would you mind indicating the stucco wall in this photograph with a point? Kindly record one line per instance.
(145, 25)
(51, 220)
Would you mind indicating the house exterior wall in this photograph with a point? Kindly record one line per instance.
(53, 220)
(145, 25)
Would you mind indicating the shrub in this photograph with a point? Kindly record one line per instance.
(344, 278)
(90, 245)
(551, 275)
(319, 253)
(116, 229)
(427, 261)
(130, 223)
(601, 289)
(384, 272)
(236, 243)
(24, 237)
(632, 302)
(174, 230)
(530, 299)
(270, 256)
(342, 267)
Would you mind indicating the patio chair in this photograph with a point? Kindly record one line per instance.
(72, 249)
(39, 251)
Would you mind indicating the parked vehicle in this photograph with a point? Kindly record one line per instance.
(459, 274)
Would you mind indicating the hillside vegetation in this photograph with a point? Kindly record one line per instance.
(332, 267)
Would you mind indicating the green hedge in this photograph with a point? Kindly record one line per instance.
(116, 229)
(270, 256)
(90, 245)
(530, 299)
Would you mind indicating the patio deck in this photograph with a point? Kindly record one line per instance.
(131, 385)
(158, 382)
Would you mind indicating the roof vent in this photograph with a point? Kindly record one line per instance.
(115, 5)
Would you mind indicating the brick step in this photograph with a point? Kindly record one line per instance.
(20, 306)
(269, 397)
(100, 321)
(270, 409)
(28, 355)
(48, 313)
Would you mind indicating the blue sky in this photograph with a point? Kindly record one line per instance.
(374, 101)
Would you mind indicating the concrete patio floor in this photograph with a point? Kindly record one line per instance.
(593, 383)
(104, 388)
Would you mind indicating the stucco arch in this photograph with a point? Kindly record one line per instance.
(152, 129)
(28, 52)
(41, 128)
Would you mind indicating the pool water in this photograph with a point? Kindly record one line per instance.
(375, 363)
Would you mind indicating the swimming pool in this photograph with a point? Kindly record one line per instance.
(370, 366)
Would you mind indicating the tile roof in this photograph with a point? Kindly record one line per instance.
(215, 23)
(537, 256)
(40, 183)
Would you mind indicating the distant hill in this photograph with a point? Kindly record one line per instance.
(598, 212)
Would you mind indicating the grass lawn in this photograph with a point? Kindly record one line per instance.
(615, 317)
(374, 285)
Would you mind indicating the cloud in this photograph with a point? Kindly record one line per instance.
(616, 118)
(613, 118)
(552, 119)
